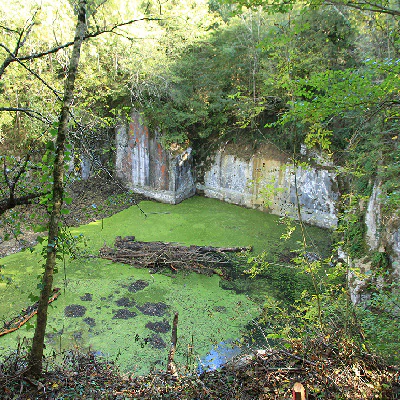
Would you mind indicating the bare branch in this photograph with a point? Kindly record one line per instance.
(14, 58)
(27, 111)
(13, 55)
(367, 6)
(12, 201)
(7, 61)
(18, 201)
(87, 36)
(36, 75)
(22, 169)
(6, 28)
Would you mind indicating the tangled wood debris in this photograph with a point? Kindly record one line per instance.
(342, 373)
(158, 255)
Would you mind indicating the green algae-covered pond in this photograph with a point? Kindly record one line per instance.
(126, 313)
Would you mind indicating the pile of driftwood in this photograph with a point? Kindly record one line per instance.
(159, 255)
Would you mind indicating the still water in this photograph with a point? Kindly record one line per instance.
(124, 313)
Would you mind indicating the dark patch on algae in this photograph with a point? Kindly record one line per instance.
(87, 297)
(160, 327)
(156, 341)
(52, 336)
(137, 285)
(124, 314)
(90, 321)
(220, 309)
(74, 311)
(158, 309)
(125, 302)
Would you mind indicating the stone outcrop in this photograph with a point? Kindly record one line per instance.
(268, 181)
(265, 180)
(373, 218)
(382, 236)
(382, 231)
(146, 167)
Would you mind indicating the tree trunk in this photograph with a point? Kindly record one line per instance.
(171, 367)
(36, 355)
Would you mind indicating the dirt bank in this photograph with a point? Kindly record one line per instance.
(93, 199)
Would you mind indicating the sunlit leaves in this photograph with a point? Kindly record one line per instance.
(257, 264)
(318, 137)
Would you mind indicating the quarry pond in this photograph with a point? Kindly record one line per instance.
(125, 313)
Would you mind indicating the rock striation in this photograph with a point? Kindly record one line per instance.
(268, 181)
(148, 168)
(265, 180)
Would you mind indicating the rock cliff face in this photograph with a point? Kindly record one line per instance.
(382, 237)
(383, 231)
(269, 182)
(147, 168)
(263, 179)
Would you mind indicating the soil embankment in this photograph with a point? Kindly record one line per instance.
(96, 198)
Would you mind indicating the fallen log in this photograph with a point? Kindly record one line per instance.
(157, 255)
(26, 315)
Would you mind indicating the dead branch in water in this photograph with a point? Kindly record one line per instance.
(25, 316)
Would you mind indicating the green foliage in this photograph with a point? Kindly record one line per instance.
(330, 313)
(363, 100)
(285, 283)
(267, 187)
(381, 8)
(380, 261)
(257, 265)
(391, 183)
(351, 227)
(207, 92)
(354, 237)
(381, 322)
(247, 78)
(272, 6)
(71, 245)
(11, 226)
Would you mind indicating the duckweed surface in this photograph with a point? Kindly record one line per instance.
(126, 313)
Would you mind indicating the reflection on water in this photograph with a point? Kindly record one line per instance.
(219, 356)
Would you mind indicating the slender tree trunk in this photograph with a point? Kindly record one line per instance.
(171, 367)
(36, 355)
